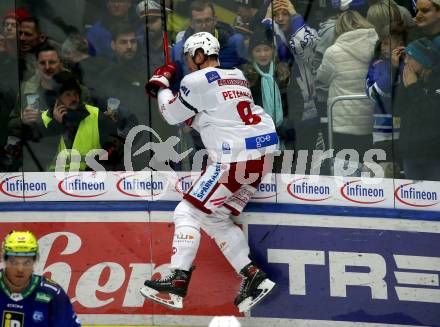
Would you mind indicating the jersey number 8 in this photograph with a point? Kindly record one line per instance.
(246, 115)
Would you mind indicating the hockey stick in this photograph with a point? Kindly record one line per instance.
(163, 16)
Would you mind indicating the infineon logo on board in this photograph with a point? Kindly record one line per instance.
(415, 195)
(357, 192)
(304, 190)
(141, 186)
(78, 187)
(265, 191)
(16, 187)
(184, 183)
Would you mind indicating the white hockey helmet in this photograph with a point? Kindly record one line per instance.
(202, 40)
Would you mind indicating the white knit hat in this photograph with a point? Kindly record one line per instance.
(149, 8)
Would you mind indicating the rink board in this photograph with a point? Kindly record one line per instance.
(331, 270)
(168, 186)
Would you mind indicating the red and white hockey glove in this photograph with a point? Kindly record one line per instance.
(163, 77)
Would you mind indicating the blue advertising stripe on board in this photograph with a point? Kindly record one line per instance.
(346, 274)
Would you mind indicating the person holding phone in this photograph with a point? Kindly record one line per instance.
(81, 127)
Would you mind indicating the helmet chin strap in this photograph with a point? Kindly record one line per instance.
(198, 65)
(194, 62)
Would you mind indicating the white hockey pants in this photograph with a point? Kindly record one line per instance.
(218, 225)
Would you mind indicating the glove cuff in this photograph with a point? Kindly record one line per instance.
(160, 80)
(156, 83)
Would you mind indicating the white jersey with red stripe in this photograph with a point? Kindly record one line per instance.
(218, 103)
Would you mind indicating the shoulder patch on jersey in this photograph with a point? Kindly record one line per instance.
(50, 281)
(233, 81)
(212, 76)
(43, 297)
(184, 90)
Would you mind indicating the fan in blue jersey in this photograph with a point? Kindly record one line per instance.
(26, 299)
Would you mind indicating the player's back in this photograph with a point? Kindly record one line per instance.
(232, 127)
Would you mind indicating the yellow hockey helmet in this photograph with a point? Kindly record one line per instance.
(20, 244)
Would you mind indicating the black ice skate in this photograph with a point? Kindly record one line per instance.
(254, 287)
(175, 285)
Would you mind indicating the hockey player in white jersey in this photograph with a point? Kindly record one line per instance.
(240, 138)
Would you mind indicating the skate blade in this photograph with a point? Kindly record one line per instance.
(266, 287)
(175, 301)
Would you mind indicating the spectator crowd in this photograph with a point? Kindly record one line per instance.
(73, 82)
